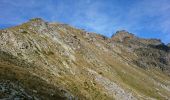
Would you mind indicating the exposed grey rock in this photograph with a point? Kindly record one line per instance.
(13, 91)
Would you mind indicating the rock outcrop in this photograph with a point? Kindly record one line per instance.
(149, 52)
(48, 61)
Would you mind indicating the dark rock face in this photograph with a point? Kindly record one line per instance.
(149, 52)
(161, 47)
(152, 57)
(12, 91)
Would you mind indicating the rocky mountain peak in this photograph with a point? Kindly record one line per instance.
(36, 20)
(130, 39)
(122, 35)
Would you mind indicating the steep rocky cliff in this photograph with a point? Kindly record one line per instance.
(53, 61)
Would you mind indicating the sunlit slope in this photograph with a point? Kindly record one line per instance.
(57, 61)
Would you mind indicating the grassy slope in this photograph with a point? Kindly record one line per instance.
(24, 78)
(76, 78)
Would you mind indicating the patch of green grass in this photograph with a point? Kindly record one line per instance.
(140, 84)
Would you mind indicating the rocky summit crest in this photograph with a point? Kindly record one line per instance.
(122, 35)
(53, 61)
(36, 20)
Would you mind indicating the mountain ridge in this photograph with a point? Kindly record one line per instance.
(57, 61)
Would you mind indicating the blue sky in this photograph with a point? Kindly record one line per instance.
(145, 18)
